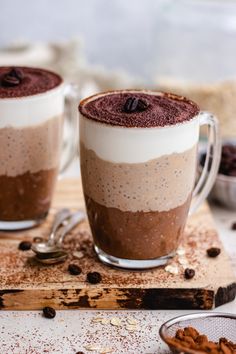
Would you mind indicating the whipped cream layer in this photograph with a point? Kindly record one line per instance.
(31, 110)
(136, 145)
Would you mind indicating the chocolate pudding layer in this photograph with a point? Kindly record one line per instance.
(136, 235)
(160, 109)
(26, 196)
(29, 162)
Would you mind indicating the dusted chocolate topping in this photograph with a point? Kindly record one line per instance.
(22, 81)
(138, 109)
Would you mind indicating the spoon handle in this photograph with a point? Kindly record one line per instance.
(75, 219)
(61, 216)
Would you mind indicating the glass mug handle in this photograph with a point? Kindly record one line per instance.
(211, 165)
(70, 136)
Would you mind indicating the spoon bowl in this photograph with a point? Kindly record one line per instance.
(54, 258)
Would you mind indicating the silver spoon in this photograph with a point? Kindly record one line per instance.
(49, 245)
(58, 254)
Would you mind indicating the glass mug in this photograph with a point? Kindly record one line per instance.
(31, 137)
(138, 185)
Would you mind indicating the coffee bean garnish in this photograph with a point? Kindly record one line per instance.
(13, 77)
(74, 269)
(24, 246)
(142, 105)
(79, 353)
(10, 81)
(94, 277)
(213, 252)
(49, 312)
(189, 273)
(233, 226)
(131, 104)
(134, 104)
(17, 72)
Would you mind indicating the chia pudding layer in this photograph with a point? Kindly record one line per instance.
(138, 178)
(31, 121)
(29, 164)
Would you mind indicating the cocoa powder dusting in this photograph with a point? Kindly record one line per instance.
(161, 109)
(26, 81)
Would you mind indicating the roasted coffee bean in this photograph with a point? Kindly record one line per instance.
(232, 173)
(10, 81)
(24, 246)
(233, 226)
(79, 353)
(49, 312)
(17, 72)
(228, 160)
(74, 269)
(142, 105)
(189, 273)
(131, 104)
(213, 252)
(13, 77)
(94, 277)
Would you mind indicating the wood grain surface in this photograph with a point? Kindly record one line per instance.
(27, 285)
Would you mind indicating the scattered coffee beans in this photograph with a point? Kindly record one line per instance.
(213, 252)
(228, 160)
(74, 269)
(24, 246)
(49, 312)
(189, 273)
(94, 277)
(233, 226)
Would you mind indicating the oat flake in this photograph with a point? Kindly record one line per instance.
(92, 347)
(180, 252)
(78, 254)
(131, 328)
(115, 321)
(132, 321)
(172, 269)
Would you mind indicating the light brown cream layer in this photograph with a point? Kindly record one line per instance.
(32, 148)
(157, 185)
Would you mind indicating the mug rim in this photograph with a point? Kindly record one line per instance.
(36, 95)
(148, 91)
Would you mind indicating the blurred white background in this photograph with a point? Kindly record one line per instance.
(117, 34)
(146, 38)
(185, 46)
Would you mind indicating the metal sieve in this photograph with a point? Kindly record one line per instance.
(213, 324)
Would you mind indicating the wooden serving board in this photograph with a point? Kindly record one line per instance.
(26, 284)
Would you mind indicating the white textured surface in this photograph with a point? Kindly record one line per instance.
(31, 110)
(135, 145)
(71, 331)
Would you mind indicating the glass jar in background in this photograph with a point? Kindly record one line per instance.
(195, 55)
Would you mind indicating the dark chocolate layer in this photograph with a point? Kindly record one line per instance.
(162, 109)
(27, 196)
(32, 81)
(136, 235)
